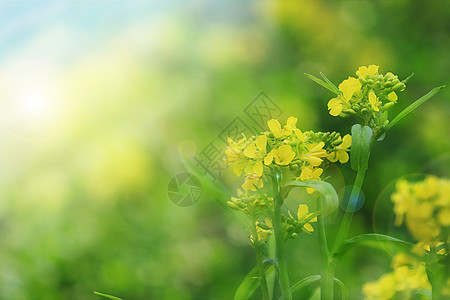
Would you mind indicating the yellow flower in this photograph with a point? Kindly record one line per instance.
(291, 126)
(349, 87)
(263, 233)
(409, 275)
(364, 71)
(302, 214)
(251, 180)
(313, 154)
(341, 151)
(283, 155)
(309, 173)
(392, 96)
(275, 128)
(335, 107)
(233, 151)
(257, 149)
(374, 101)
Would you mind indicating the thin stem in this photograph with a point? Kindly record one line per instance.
(327, 281)
(259, 261)
(348, 215)
(327, 287)
(279, 242)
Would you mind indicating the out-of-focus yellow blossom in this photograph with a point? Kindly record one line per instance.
(263, 234)
(340, 153)
(251, 181)
(302, 214)
(408, 278)
(364, 71)
(424, 206)
(421, 248)
(374, 101)
(234, 150)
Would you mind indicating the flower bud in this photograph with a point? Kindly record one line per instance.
(399, 87)
(388, 105)
(232, 205)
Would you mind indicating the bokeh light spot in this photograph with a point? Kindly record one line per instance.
(356, 203)
(187, 148)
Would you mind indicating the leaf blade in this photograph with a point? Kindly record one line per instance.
(304, 282)
(372, 240)
(414, 105)
(360, 149)
(328, 196)
(321, 82)
(251, 282)
(108, 296)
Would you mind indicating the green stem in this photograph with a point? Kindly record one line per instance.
(279, 242)
(327, 287)
(327, 281)
(259, 261)
(348, 215)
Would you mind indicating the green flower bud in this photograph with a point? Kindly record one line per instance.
(232, 205)
(241, 204)
(388, 105)
(349, 111)
(399, 87)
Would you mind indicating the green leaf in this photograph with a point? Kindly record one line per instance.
(251, 282)
(374, 240)
(344, 289)
(360, 149)
(413, 106)
(322, 83)
(304, 282)
(329, 199)
(407, 78)
(330, 84)
(107, 296)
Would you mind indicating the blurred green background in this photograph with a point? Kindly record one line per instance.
(102, 102)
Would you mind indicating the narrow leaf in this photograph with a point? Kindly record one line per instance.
(329, 199)
(304, 282)
(407, 78)
(321, 82)
(360, 149)
(374, 240)
(251, 282)
(330, 84)
(414, 105)
(344, 289)
(107, 296)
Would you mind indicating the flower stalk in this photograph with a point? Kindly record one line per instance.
(279, 241)
(259, 261)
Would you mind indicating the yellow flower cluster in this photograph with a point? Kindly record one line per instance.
(424, 206)
(408, 279)
(367, 95)
(286, 146)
